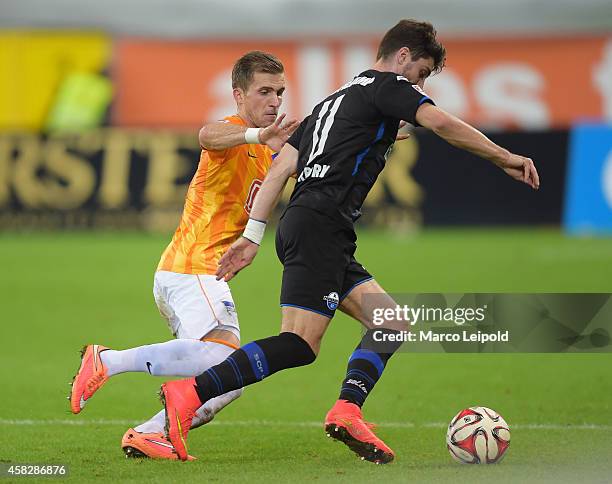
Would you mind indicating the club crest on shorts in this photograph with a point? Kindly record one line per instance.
(229, 306)
(332, 300)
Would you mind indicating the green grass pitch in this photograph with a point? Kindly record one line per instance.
(59, 291)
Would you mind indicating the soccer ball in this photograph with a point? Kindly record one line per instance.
(478, 435)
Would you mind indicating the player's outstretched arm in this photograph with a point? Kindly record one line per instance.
(282, 168)
(220, 135)
(242, 252)
(462, 135)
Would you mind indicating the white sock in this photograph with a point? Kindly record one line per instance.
(209, 354)
(179, 357)
(204, 414)
(212, 407)
(154, 425)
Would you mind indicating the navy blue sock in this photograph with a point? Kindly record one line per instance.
(365, 367)
(252, 363)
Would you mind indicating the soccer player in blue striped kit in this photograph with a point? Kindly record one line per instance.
(337, 154)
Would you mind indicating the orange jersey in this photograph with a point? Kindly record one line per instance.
(217, 206)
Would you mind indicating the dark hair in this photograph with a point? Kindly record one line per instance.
(419, 37)
(252, 62)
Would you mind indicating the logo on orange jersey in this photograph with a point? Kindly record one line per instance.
(253, 190)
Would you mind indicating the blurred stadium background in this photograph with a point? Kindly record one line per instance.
(100, 103)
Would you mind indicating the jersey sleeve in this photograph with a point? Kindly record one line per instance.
(295, 139)
(398, 98)
(218, 156)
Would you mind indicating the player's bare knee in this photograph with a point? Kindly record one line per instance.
(371, 305)
(298, 349)
(312, 339)
(314, 343)
(309, 326)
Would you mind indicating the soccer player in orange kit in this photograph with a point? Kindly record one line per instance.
(236, 155)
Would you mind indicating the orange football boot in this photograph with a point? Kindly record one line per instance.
(91, 376)
(345, 423)
(153, 445)
(181, 401)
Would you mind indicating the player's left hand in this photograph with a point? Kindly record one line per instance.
(277, 134)
(522, 169)
(240, 254)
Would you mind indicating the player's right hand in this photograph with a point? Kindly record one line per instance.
(240, 254)
(402, 133)
(277, 134)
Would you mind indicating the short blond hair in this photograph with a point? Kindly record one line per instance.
(252, 62)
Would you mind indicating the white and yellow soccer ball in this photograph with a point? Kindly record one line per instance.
(478, 435)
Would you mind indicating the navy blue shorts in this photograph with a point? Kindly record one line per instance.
(317, 254)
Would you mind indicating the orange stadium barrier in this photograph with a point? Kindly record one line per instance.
(511, 83)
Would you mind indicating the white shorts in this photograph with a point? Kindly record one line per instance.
(194, 305)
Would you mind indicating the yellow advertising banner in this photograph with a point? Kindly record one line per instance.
(34, 66)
